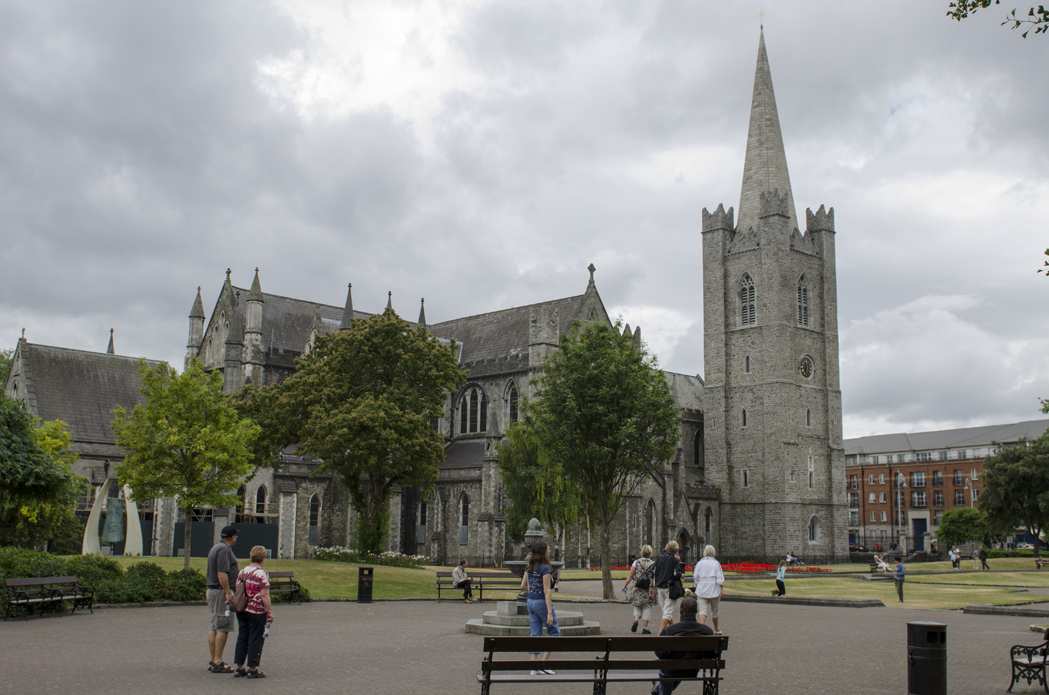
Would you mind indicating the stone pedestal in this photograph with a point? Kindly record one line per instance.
(507, 620)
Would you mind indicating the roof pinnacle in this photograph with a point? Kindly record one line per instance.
(110, 350)
(422, 312)
(389, 300)
(347, 311)
(255, 294)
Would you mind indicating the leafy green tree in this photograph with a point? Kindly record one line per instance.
(362, 401)
(963, 524)
(1016, 487)
(260, 405)
(33, 514)
(5, 365)
(186, 441)
(536, 487)
(1038, 17)
(605, 419)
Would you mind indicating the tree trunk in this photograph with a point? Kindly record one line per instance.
(186, 536)
(606, 558)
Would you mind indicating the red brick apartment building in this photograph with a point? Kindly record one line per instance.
(899, 485)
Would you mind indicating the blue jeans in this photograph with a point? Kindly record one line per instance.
(537, 619)
(667, 687)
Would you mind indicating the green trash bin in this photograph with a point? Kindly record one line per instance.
(364, 584)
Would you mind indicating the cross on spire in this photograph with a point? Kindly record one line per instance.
(761, 18)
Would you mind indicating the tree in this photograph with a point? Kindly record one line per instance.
(536, 487)
(963, 524)
(1039, 17)
(260, 405)
(362, 401)
(185, 441)
(1016, 487)
(606, 419)
(6, 357)
(37, 485)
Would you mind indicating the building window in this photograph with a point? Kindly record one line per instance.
(315, 515)
(974, 474)
(976, 454)
(706, 522)
(870, 498)
(901, 458)
(744, 418)
(884, 518)
(464, 519)
(874, 517)
(936, 517)
(814, 530)
(937, 498)
(473, 412)
(746, 366)
(870, 479)
(513, 403)
(943, 455)
(958, 480)
(792, 475)
(260, 500)
(808, 418)
(854, 483)
(747, 302)
(422, 513)
(854, 500)
(924, 456)
(812, 480)
(961, 454)
(881, 497)
(803, 302)
(874, 460)
(976, 494)
(917, 499)
(854, 518)
(746, 478)
(959, 498)
(918, 479)
(881, 479)
(937, 478)
(698, 454)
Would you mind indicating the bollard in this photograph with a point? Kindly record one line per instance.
(926, 658)
(364, 584)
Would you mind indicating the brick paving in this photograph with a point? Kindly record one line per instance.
(420, 647)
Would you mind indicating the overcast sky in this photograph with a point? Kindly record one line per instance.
(482, 154)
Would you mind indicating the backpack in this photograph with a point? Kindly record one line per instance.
(644, 580)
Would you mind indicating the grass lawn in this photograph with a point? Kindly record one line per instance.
(916, 594)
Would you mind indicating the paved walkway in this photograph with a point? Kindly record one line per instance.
(420, 647)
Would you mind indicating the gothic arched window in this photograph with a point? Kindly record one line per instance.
(512, 399)
(747, 301)
(464, 519)
(698, 454)
(650, 523)
(803, 302)
(260, 500)
(814, 529)
(473, 411)
(315, 519)
(707, 519)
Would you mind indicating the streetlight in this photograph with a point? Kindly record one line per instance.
(901, 483)
(969, 487)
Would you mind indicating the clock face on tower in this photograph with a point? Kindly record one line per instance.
(805, 367)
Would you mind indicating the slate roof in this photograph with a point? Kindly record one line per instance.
(464, 453)
(964, 438)
(286, 322)
(501, 333)
(687, 390)
(81, 388)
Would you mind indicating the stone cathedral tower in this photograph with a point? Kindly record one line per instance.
(772, 398)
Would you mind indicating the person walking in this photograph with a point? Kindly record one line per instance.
(900, 575)
(710, 586)
(688, 625)
(536, 580)
(221, 570)
(255, 618)
(983, 557)
(781, 573)
(643, 594)
(976, 558)
(460, 580)
(668, 570)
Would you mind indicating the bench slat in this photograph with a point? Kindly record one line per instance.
(599, 662)
(689, 643)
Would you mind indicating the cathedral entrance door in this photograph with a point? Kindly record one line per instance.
(920, 526)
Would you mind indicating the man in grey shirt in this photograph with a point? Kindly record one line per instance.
(222, 579)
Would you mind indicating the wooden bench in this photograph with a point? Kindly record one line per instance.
(283, 583)
(1039, 563)
(47, 593)
(482, 579)
(1029, 664)
(595, 663)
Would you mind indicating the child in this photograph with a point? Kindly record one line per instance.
(781, 573)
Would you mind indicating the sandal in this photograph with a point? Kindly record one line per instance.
(256, 674)
(240, 673)
(221, 667)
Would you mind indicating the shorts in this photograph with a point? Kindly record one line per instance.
(708, 606)
(217, 604)
(666, 604)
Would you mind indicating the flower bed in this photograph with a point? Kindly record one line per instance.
(391, 559)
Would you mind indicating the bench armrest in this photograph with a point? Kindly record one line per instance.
(1031, 653)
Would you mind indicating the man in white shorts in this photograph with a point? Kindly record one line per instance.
(668, 566)
(710, 586)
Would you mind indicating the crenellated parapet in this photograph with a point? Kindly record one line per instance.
(718, 220)
(775, 204)
(820, 221)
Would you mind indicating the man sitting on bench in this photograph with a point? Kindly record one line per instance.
(688, 625)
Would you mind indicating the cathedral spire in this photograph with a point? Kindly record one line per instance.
(347, 311)
(765, 168)
(197, 312)
(389, 301)
(422, 313)
(110, 350)
(255, 295)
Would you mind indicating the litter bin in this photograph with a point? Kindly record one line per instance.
(364, 584)
(926, 658)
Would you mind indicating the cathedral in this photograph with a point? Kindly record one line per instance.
(759, 468)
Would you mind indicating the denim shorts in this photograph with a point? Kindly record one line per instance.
(537, 619)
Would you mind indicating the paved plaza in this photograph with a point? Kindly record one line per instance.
(421, 647)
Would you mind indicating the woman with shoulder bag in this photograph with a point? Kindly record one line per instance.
(643, 595)
(255, 618)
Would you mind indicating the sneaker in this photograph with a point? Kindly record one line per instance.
(646, 632)
(536, 673)
(548, 672)
(633, 628)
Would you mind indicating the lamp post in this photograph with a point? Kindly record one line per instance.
(969, 487)
(900, 485)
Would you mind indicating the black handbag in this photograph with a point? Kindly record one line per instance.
(677, 589)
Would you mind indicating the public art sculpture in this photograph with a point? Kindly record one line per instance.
(115, 529)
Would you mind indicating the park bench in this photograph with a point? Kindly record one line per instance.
(283, 583)
(47, 593)
(482, 579)
(1029, 663)
(1039, 563)
(590, 660)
